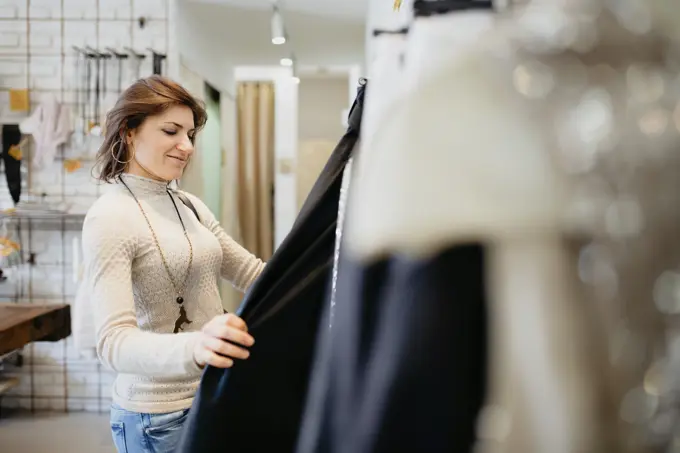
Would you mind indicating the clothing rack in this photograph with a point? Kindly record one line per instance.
(73, 19)
(110, 52)
(425, 8)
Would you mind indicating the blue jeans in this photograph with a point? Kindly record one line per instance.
(146, 433)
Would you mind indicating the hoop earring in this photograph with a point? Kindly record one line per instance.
(113, 155)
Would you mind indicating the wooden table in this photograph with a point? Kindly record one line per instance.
(22, 323)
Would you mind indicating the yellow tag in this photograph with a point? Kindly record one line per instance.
(18, 101)
(397, 5)
(8, 243)
(71, 165)
(15, 152)
(9, 211)
(8, 250)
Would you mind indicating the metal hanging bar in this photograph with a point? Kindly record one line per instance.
(400, 31)
(425, 8)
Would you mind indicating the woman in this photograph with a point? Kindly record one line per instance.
(153, 267)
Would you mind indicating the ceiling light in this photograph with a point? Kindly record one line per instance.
(296, 80)
(286, 62)
(278, 31)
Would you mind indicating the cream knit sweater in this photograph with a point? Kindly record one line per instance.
(134, 303)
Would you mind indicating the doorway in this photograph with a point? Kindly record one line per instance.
(322, 102)
(255, 150)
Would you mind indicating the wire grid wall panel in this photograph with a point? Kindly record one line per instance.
(38, 41)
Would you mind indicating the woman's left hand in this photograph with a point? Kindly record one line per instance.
(217, 345)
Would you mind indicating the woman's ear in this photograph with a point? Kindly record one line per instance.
(130, 136)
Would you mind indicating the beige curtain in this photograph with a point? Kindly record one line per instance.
(255, 109)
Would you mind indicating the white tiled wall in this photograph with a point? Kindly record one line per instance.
(36, 39)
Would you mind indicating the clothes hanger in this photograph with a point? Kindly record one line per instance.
(157, 61)
(137, 62)
(119, 57)
(400, 31)
(95, 126)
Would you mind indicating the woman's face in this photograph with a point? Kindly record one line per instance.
(163, 144)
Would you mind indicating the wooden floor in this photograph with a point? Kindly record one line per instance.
(21, 432)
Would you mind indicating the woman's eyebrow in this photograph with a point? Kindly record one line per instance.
(178, 125)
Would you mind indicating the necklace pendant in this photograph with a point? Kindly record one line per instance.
(180, 300)
(182, 319)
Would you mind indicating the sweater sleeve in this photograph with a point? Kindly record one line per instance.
(239, 266)
(108, 252)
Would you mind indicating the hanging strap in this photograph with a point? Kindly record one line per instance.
(184, 199)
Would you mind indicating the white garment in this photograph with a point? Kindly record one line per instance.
(50, 126)
(449, 128)
(133, 300)
(83, 330)
(82, 327)
(456, 156)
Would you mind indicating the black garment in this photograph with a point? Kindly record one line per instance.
(257, 405)
(11, 135)
(403, 368)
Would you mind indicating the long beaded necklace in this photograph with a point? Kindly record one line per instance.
(179, 289)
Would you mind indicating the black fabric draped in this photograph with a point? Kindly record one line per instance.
(403, 368)
(11, 135)
(257, 405)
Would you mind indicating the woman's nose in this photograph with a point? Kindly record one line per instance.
(186, 146)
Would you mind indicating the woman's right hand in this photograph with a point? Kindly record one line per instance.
(217, 345)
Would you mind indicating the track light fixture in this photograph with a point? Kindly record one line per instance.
(278, 30)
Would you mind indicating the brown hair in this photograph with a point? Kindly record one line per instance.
(146, 97)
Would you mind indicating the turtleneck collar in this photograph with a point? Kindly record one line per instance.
(141, 185)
